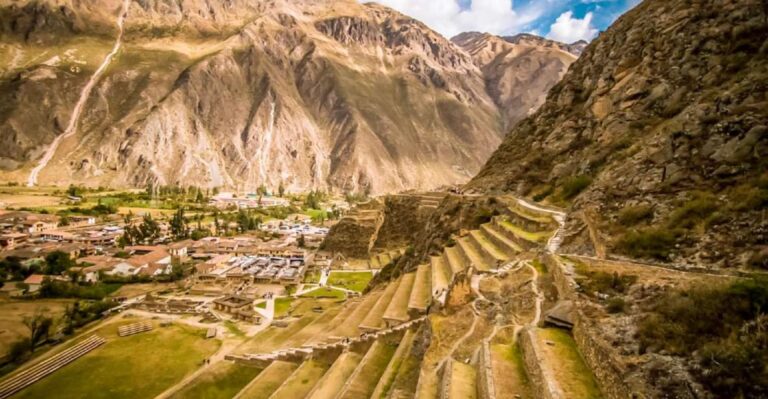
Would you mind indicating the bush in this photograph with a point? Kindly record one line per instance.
(693, 211)
(573, 186)
(615, 305)
(724, 326)
(605, 283)
(655, 243)
(632, 215)
(748, 197)
(19, 350)
(759, 259)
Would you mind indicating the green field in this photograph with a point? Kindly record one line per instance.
(325, 292)
(139, 366)
(223, 380)
(355, 281)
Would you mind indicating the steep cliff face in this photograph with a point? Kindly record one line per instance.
(660, 133)
(518, 70)
(312, 94)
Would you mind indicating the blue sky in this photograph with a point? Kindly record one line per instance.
(563, 20)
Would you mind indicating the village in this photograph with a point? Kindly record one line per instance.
(257, 250)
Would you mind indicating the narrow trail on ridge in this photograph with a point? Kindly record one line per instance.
(84, 94)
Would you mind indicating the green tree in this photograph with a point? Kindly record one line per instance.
(58, 262)
(281, 189)
(178, 225)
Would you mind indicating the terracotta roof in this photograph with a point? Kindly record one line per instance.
(149, 258)
(35, 279)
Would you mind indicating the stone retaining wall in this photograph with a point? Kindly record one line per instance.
(485, 386)
(600, 356)
(542, 381)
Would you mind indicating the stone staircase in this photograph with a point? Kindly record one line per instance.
(29, 376)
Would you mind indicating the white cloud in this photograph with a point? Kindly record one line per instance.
(568, 29)
(448, 18)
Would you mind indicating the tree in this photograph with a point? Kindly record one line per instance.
(281, 189)
(178, 225)
(300, 241)
(39, 326)
(262, 190)
(58, 262)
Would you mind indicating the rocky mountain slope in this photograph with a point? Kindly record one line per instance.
(239, 93)
(519, 70)
(659, 135)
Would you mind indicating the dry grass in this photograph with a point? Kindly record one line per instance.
(12, 314)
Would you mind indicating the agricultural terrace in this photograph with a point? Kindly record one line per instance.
(353, 281)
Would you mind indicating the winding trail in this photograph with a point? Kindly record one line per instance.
(84, 94)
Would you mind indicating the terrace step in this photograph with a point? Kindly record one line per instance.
(374, 319)
(459, 381)
(349, 308)
(302, 381)
(330, 384)
(383, 388)
(492, 253)
(441, 275)
(385, 259)
(363, 380)
(507, 372)
(525, 237)
(422, 288)
(397, 310)
(268, 381)
(453, 258)
(472, 256)
(30, 375)
(349, 328)
(500, 239)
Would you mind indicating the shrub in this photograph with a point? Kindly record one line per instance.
(615, 305)
(19, 350)
(725, 326)
(573, 186)
(698, 208)
(759, 259)
(748, 197)
(544, 194)
(632, 215)
(655, 243)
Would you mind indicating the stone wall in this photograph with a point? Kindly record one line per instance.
(609, 370)
(542, 381)
(485, 386)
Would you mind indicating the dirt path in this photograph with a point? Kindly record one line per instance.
(84, 94)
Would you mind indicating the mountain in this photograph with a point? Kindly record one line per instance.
(657, 136)
(519, 70)
(238, 93)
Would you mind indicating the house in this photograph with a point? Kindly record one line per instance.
(12, 240)
(123, 269)
(39, 223)
(156, 269)
(34, 281)
(11, 290)
(160, 256)
(180, 249)
(80, 221)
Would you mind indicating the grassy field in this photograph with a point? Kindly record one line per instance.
(572, 374)
(370, 370)
(12, 314)
(326, 292)
(132, 290)
(223, 380)
(282, 306)
(139, 366)
(302, 380)
(312, 277)
(355, 281)
(509, 371)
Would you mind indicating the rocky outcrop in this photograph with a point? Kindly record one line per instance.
(660, 126)
(518, 70)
